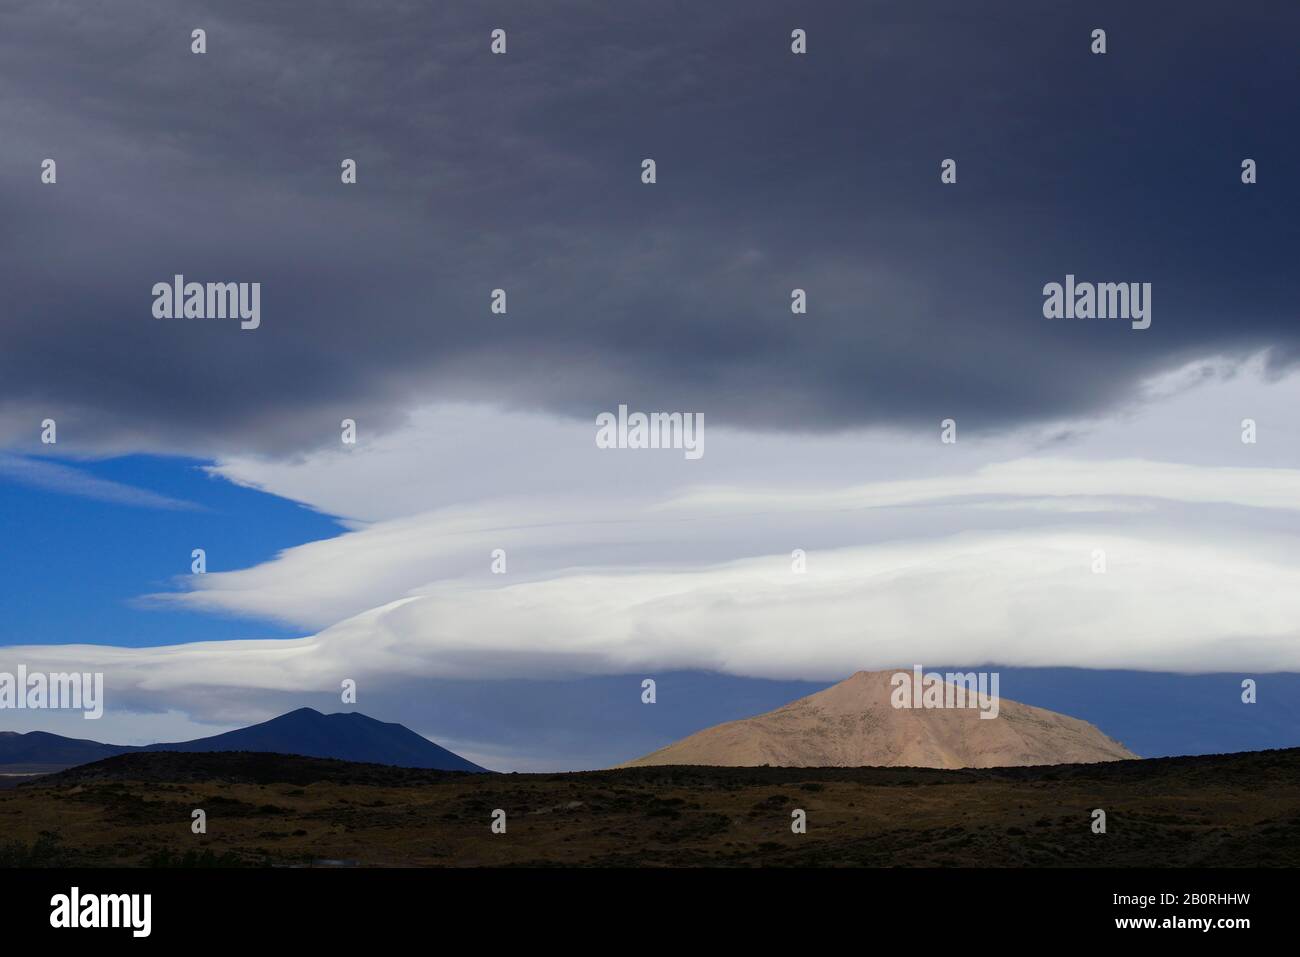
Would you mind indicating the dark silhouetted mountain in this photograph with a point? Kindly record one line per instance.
(347, 737)
(39, 750)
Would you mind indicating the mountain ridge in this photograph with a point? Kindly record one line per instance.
(343, 735)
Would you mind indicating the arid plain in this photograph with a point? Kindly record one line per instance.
(1235, 810)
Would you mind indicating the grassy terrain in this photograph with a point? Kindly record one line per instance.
(263, 809)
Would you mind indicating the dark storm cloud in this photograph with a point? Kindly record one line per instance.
(522, 172)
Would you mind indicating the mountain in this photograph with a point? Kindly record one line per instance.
(854, 724)
(42, 751)
(347, 737)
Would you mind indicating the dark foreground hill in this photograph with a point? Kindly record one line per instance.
(1235, 810)
(347, 737)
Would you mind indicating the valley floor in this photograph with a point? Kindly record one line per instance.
(1236, 810)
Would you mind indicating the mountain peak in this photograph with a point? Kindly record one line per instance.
(855, 723)
(346, 736)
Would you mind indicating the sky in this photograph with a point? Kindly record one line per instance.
(476, 431)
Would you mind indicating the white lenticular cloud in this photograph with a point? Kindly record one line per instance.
(1087, 552)
(1176, 604)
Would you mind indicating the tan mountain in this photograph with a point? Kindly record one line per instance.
(853, 723)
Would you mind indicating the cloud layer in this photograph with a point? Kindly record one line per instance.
(522, 172)
(1013, 551)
